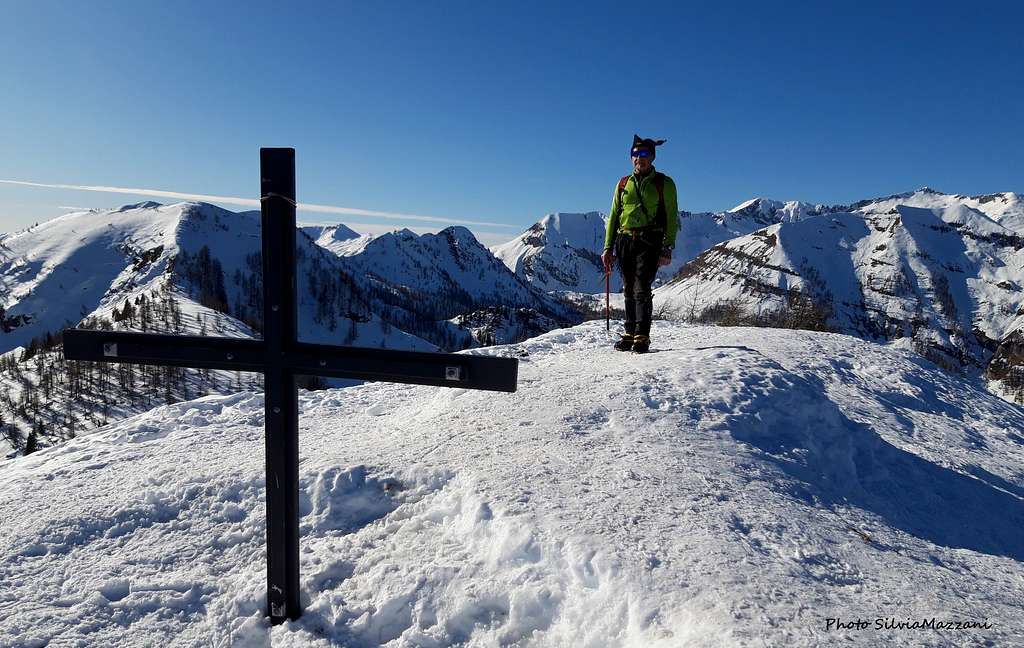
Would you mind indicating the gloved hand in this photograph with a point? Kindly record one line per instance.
(666, 256)
(608, 260)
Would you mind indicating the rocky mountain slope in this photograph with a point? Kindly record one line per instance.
(945, 279)
(448, 273)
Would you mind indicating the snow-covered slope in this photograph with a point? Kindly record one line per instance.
(947, 279)
(559, 252)
(1006, 208)
(332, 237)
(447, 273)
(562, 252)
(703, 230)
(737, 488)
(188, 268)
(765, 211)
(87, 263)
(53, 274)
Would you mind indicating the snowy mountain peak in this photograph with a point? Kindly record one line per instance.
(1005, 208)
(460, 233)
(205, 209)
(563, 221)
(403, 234)
(566, 228)
(929, 270)
(324, 235)
(148, 204)
(446, 274)
(558, 252)
(88, 263)
(766, 206)
(1005, 197)
(766, 211)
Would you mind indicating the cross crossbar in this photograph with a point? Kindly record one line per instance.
(280, 357)
(242, 354)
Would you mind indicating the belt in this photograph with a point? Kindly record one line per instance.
(638, 231)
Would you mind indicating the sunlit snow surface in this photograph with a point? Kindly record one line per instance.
(714, 493)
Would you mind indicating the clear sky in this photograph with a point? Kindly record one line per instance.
(498, 113)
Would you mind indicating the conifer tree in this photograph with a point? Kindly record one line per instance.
(32, 443)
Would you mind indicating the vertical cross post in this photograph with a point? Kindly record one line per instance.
(280, 314)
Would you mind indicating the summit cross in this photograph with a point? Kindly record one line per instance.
(280, 357)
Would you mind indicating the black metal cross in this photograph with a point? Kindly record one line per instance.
(280, 357)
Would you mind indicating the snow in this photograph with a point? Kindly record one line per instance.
(953, 268)
(324, 235)
(1005, 208)
(746, 204)
(339, 239)
(559, 252)
(767, 211)
(52, 271)
(562, 252)
(86, 263)
(716, 492)
(450, 266)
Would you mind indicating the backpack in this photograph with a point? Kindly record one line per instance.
(661, 218)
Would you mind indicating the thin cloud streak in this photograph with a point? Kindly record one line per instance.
(252, 202)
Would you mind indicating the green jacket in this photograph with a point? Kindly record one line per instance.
(627, 214)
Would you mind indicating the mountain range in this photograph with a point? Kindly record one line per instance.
(194, 268)
(938, 273)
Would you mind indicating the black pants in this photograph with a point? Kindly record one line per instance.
(638, 256)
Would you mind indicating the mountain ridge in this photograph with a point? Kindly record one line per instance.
(941, 279)
(195, 268)
(723, 261)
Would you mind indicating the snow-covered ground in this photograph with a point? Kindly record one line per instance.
(738, 487)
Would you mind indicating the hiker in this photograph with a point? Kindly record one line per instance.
(641, 235)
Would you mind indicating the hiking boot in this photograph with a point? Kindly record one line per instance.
(641, 343)
(625, 343)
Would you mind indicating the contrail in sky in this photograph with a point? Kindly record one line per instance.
(253, 202)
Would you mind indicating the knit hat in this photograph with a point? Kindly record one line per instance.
(649, 144)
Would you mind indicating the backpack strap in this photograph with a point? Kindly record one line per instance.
(661, 218)
(622, 187)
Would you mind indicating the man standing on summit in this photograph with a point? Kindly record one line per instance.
(641, 234)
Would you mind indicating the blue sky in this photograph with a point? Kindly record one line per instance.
(498, 113)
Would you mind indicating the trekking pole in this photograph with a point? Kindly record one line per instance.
(607, 303)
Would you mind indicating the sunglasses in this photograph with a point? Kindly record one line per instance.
(641, 153)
